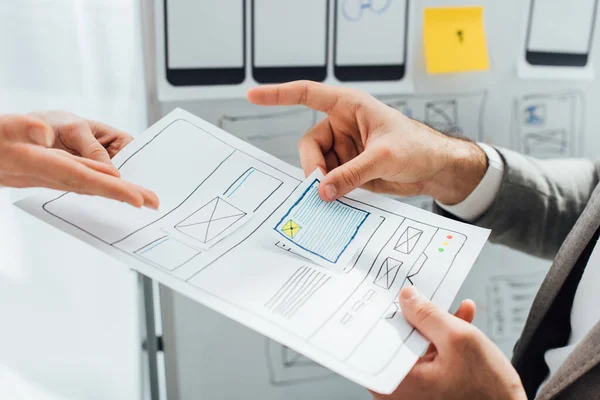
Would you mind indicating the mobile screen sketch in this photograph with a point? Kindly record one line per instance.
(246, 235)
(370, 39)
(289, 40)
(560, 33)
(205, 44)
(324, 229)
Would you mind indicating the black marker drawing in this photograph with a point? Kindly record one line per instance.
(408, 240)
(414, 271)
(387, 273)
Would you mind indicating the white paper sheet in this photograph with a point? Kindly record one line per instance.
(204, 244)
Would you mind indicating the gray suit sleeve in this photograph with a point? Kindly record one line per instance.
(538, 203)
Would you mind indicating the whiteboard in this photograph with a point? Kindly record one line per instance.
(204, 51)
(209, 356)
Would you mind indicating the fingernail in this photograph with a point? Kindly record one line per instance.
(410, 293)
(39, 136)
(330, 191)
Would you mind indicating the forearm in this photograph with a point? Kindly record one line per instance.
(538, 202)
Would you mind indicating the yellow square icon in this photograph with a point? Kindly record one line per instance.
(290, 229)
(454, 40)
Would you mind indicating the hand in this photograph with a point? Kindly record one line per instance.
(364, 142)
(58, 150)
(461, 363)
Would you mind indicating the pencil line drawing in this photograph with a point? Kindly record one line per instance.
(296, 291)
(167, 253)
(442, 115)
(252, 189)
(322, 228)
(456, 114)
(287, 367)
(549, 125)
(211, 220)
(509, 301)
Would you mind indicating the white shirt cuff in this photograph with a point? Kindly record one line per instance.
(483, 196)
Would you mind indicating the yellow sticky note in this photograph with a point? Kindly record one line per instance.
(455, 40)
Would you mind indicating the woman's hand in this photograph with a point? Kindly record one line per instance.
(59, 150)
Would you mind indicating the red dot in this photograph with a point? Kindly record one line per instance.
(449, 236)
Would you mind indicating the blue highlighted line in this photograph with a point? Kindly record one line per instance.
(241, 183)
(154, 245)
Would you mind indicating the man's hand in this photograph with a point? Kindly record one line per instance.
(59, 150)
(364, 142)
(461, 363)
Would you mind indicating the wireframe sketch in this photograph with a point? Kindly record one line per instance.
(211, 220)
(387, 273)
(414, 271)
(296, 291)
(276, 132)
(548, 125)
(167, 253)
(509, 301)
(288, 367)
(246, 267)
(252, 189)
(324, 229)
(408, 240)
(442, 115)
(458, 114)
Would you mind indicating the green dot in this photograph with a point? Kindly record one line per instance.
(441, 250)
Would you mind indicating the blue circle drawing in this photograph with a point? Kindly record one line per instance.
(353, 10)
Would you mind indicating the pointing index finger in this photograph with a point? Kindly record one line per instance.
(311, 94)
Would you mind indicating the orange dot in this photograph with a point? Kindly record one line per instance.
(445, 243)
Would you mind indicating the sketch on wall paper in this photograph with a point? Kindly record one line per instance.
(549, 125)
(353, 10)
(276, 132)
(509, 301)
(457, 114)
(288, 367)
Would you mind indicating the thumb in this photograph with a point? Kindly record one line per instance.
(25, 129)
(426, 317)
(361, 169)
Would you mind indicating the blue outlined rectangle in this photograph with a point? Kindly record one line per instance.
(322, 228)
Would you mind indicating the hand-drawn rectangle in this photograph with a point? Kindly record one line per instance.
(408, 240)
(322, 228)
(387, 273)
(441, 114)
(252, 189)
(210, 220)
(167, 253)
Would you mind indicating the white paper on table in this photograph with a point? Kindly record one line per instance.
(347, 320)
